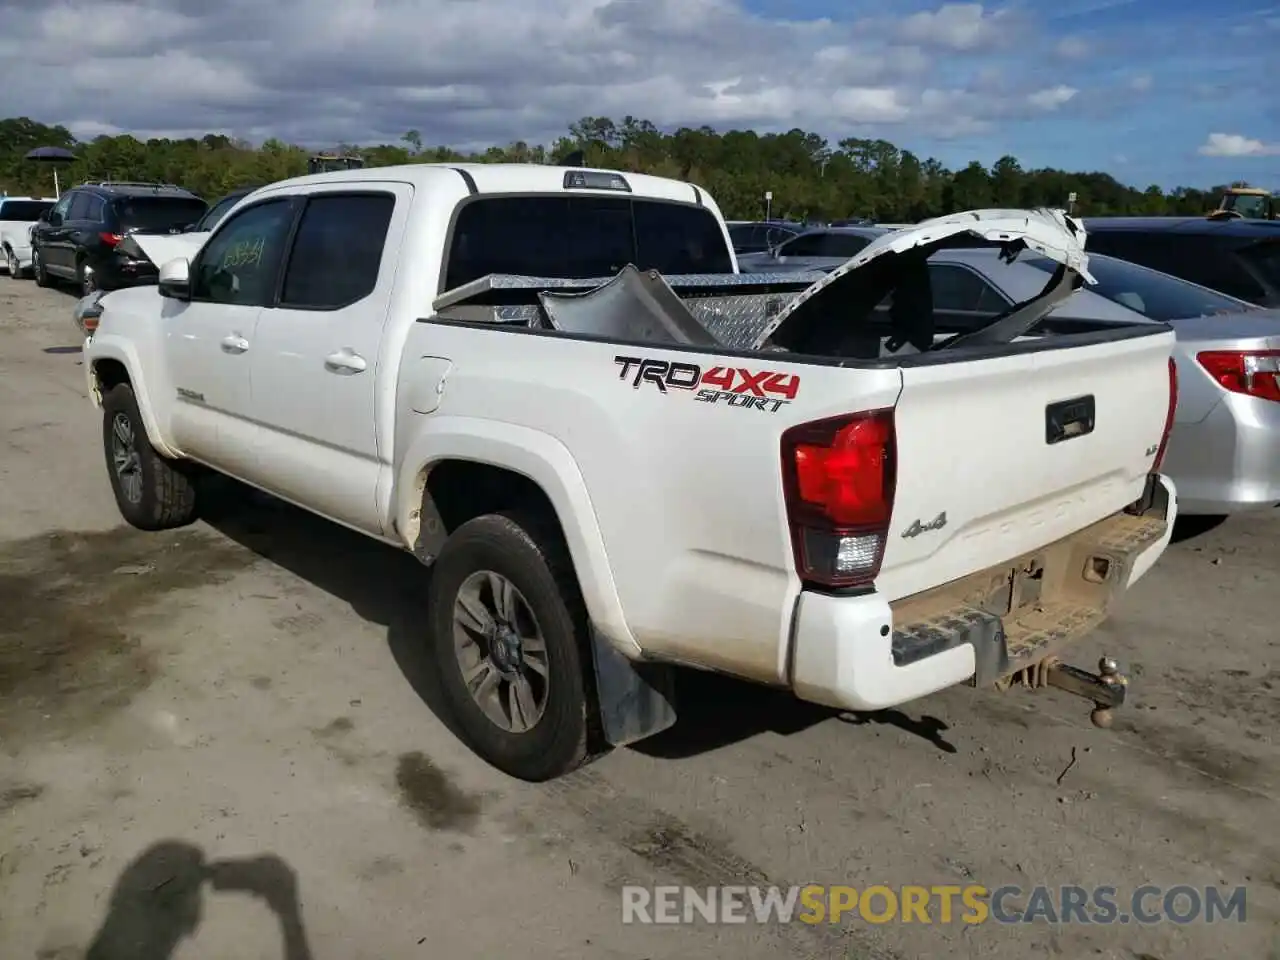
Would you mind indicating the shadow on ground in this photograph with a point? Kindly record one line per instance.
(383, 585)
(158, 901)
(1190, 527)
(388, 587)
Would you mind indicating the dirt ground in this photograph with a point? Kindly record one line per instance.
(219, 742)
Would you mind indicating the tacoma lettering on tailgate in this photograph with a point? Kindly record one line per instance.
(766, 390)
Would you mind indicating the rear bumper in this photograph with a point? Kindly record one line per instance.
(852, 653)
(1229, 461)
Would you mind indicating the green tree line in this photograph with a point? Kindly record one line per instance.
(807, 176)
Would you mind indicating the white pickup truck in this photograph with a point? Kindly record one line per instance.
(619, 454)
(17, 216)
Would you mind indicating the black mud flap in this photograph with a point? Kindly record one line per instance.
(637, 699)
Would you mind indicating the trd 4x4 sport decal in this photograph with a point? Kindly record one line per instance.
(736, 386)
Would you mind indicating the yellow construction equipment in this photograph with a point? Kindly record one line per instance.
(1248, 203)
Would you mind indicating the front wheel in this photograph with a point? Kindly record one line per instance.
(508, 632)
(152, 492)
(38, 270)
(15, 268)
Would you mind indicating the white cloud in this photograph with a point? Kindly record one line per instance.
(956, 26)
(1051, 98)
(1235, 145)
(1141, 83)
(467, 72)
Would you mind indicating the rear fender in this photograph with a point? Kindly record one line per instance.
(545, 461)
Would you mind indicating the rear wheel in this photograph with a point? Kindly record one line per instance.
(11, 260)
(508, 632)
(152, 492)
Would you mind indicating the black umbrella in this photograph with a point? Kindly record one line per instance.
(51, 155)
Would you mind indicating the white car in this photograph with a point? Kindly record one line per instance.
(17, 216)
(614, 470)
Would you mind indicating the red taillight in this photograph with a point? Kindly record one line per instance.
(110, 239)
(1168, 417)
(838, 477)
(1255, 373)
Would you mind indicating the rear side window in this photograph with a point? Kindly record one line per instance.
(23, 211)
(744, 237)
(843, 245)
(809, 245)
(337, 251)
(157, 214)
(1155, 295)
(582, 237)
(962, 290)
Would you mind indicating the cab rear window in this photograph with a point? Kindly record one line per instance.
(581, 237)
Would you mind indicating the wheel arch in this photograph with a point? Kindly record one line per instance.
(113, 362)
(484, 457)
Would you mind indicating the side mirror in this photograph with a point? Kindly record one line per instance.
(175, 279)
(44, 216)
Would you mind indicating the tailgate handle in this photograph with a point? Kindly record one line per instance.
(1068, 419)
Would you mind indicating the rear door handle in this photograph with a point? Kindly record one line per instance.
(345, 361)
(234, 343)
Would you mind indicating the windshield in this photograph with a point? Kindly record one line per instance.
(24, 211)
(218, 211)
(583, 236)
(1248, 205)
(1156, 296)
(158, 214)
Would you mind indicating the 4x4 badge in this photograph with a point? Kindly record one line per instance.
(917, 528)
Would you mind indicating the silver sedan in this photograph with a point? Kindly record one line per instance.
(822, 249)
(1224, 452)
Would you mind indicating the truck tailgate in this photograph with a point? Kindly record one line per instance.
(997, 457)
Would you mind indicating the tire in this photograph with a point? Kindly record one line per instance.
(531, 557)
(164, 494)
(14, 268)
(38, 270)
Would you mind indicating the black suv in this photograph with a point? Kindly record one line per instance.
(78, 239)
(1240, 258)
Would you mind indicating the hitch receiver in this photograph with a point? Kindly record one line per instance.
(1106, 688)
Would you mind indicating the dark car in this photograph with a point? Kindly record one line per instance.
(763, 235)
(79, 238)
(219, 210)
(1240, 258)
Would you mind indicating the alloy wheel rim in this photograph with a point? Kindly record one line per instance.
(501, 651)
(125, 458)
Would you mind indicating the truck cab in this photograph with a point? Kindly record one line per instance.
(1249, 203)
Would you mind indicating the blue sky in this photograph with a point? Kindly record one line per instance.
(1154, 78)
(1172, 92)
